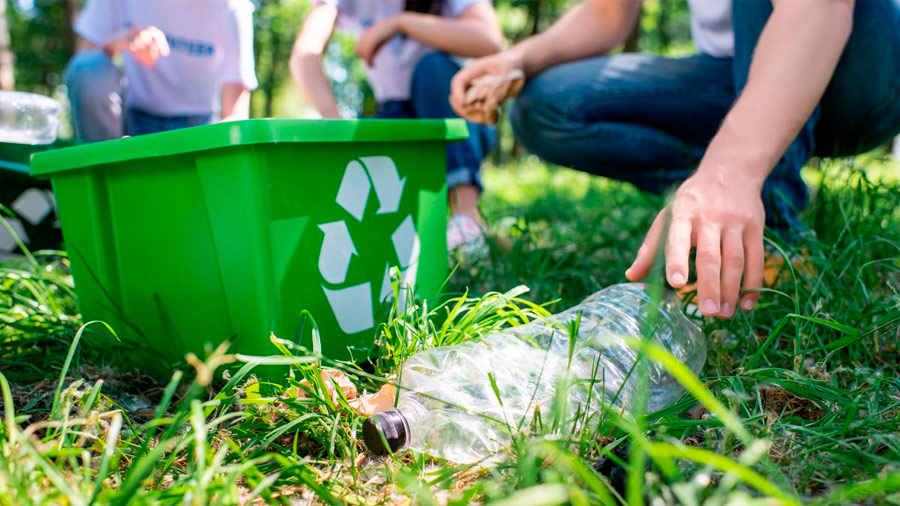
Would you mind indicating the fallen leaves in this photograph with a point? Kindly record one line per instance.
(331, 378)
(779, 403)
(382, 400)
(335, 381)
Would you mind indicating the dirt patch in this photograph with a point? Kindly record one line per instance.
(779, 403)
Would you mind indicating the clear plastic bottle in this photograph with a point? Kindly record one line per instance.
(27, 118)
(447, 405)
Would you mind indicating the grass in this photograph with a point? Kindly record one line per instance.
(799, 401)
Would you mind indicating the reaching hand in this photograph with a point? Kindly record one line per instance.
(723, 217)
(498, 76)
(375, 36)
(146, 44)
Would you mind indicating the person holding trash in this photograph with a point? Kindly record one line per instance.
(775, 82)
(410, 48)
(182, 64)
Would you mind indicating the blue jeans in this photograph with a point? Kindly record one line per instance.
(430, 93)
(647, 119)
(97, 96)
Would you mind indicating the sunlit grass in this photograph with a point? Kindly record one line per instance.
(799, 401)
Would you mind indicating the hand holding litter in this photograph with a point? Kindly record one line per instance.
(478, 90)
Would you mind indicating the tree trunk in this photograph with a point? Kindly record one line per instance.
(631, 43)
(274, 65)
(7, 69)
(662, 27)
(71, 14)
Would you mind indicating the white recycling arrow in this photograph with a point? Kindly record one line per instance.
(356, 301)
(387, 181)
(386, 289)
(337, 250)
(354, 191)
(407, 281)
(406, 243)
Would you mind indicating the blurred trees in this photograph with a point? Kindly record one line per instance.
(7, 74)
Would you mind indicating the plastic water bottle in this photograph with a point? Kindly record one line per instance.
(28, 118)
(448, 406)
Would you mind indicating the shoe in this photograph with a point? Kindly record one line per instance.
(466, 237)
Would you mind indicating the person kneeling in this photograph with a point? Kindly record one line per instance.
(182, 62)
(410, 48)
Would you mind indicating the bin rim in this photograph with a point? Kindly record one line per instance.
(244, 133)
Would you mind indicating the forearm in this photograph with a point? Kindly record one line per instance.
(306, 59)
(235, 102)
(461, 37)
(592, 28)
(794, 60)
(111, 46)
(309, 75)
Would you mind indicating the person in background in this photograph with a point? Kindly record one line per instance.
(410, 49)
(775, 82)
(182, 63)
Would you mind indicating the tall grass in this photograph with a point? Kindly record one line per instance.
(799, 401)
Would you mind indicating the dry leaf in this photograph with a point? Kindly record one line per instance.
(369, 404)
(330, 378)
(779, 403)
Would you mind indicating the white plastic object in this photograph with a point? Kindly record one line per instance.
(28, 118)
(448, 408)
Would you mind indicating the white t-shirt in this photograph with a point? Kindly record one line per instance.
(711, 27)
(391, 73)
(211, 44)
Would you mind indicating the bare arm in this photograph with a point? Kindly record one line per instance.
(475, 33)
(794, 60)
(591, 28)
(235, 102)
(306, 59)
(146, 44)
(718, 210)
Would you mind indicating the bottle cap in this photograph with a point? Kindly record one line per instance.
(393, 425)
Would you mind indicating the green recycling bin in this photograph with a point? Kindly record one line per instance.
(231, 231)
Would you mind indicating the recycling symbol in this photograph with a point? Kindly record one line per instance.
(353, 305)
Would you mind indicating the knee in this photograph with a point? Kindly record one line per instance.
(92, 76)
(536, 114)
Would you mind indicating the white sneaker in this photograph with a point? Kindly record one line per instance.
(465, 236)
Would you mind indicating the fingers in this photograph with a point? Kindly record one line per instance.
(732, 270)
(647, 252)
(678, 252)
(149, 45)
(458, 86)
(708, 266)
(160, 39)
(754, 266)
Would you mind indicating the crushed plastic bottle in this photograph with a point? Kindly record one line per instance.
(449, 409)
(28, 118)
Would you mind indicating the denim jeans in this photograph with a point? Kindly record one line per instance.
(97, 92)
(648, 119)
(430, 92)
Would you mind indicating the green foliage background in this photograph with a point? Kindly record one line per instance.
(42, 42)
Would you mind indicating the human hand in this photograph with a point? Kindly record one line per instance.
(146, 44)
(478, 89)
(376, 35)
(722, 216)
